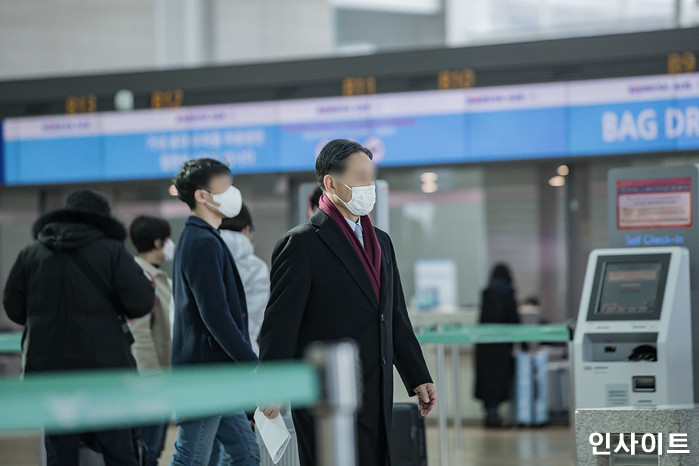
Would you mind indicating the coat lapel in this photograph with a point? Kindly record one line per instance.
(331, 235)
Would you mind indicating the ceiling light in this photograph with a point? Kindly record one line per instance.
(557, 181)
(429, 188)
(428, 177)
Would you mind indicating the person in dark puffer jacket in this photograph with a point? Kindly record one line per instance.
(70, 324)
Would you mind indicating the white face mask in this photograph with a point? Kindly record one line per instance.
(230, 201)
(363, 199)
(169, 250)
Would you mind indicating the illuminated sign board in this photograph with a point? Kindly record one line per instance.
(533, 121)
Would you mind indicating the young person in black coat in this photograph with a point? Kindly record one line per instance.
(494, 361)
(211, 322)
(70, 323)
(335, 277)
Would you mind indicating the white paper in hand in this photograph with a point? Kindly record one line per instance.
(274, 434)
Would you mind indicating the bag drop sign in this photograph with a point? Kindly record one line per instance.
(654, 203)
(647, 124)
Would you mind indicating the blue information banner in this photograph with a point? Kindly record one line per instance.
(553, 120)
(158, 154)
(685, 123)
(519, 134)
(634, 115)
(625, 128)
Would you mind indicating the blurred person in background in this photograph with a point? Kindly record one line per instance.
(494, 361)
(237, 232)
(314, 200)
(211, 322)
(72, 289)
(152, 341)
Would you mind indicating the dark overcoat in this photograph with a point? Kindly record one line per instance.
(494, 362)
(320, 291)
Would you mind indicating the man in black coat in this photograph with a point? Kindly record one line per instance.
(335, 277)
(70, 323)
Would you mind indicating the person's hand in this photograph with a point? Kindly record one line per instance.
(271, 412)
(427, 396)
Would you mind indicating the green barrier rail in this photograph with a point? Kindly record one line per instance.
(10, 342)
(91, 400)
(477, 333)
(496, 333)
(107, 399)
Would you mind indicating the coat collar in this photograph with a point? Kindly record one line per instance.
(198, 222)
(330, 233)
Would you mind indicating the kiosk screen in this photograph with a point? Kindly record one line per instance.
(631, 288)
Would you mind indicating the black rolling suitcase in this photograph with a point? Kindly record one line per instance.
(408, 442)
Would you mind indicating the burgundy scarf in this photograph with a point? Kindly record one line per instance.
(370, 254)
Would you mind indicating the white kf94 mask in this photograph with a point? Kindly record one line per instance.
(362, 201)
(230, 201)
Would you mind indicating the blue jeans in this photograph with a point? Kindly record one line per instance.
(218, 455)
(195, 441)
(154, 437)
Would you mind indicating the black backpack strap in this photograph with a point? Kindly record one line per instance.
(102, 288)
(90, 274)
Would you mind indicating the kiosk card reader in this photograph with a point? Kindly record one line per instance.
(633, 339)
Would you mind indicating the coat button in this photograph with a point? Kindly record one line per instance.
(382, 318)
(384, 360)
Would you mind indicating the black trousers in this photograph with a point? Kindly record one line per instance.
(116, 445)
(372, 446)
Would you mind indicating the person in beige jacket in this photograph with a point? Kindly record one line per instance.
(152, 345)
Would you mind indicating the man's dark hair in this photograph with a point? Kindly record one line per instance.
(144, 230)
(197, 174)
(239, 222)
(332, 157)
(315, 197)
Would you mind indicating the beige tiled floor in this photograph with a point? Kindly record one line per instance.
(19, 450)
(548, 446)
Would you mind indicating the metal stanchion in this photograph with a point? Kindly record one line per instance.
(441, 388)
(338, 364)
(455, 369)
